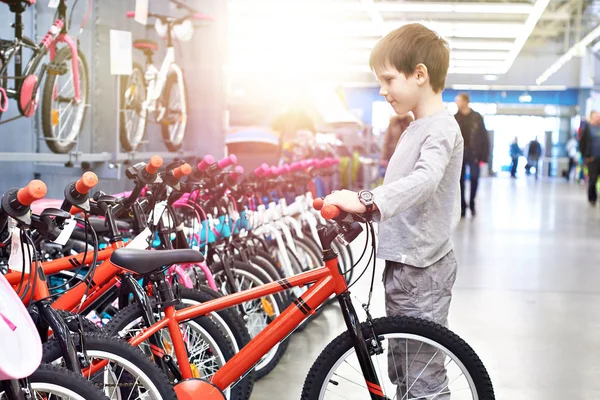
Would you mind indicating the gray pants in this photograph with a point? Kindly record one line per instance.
(423, 293)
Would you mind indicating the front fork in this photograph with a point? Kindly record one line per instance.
(360, 345)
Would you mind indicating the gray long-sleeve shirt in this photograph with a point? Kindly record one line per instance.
(419, 201)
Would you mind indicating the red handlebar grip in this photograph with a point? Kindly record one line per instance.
(86, 182)
(35, 190)
(182, 171)
(206, 162)
(130, 14)
(318, 203)
(330, 211)
(155, 163)
(227, 161)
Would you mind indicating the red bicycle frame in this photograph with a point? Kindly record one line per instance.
(326, 281)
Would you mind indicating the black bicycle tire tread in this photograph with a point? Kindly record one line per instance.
(398, 324)
(46, 102)
(52, 352)
(67, 379)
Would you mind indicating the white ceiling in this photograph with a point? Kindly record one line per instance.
(333, 38)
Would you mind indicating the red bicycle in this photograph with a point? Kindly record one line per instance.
(422, 359)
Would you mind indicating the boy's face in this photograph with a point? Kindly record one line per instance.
(399, 90)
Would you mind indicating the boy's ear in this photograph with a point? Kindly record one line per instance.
(421, 73)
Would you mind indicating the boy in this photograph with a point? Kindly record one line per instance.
(418, 205)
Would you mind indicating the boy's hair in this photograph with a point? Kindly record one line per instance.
(464, 96)
(410, 45)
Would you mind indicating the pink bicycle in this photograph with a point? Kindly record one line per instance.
(65, 91)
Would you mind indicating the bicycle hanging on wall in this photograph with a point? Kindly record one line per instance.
(65, 89)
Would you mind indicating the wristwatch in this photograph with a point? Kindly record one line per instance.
(366, 198)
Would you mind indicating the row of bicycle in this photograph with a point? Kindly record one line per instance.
(190, 285)
(233, 233)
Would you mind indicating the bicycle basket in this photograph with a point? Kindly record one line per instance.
(184, 31)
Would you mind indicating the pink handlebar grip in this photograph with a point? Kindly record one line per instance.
(297, 166)
(203, 17)
(286, 169)
(274, 171)
(239, 171)
(206, 162)
(227, 161)
(130, 14)
(310, 163)
(262, 170)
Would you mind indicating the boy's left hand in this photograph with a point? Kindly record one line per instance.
(347, 200)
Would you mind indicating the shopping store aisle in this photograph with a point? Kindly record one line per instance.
(527, 296)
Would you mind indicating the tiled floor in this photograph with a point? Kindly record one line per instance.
(527, 297)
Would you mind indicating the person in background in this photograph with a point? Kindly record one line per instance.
(515, 153)
(477, 148)
(533, 156)
(397, 126)
(590, 151)
(571, 149)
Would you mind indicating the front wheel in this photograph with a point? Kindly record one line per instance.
(52, 382)
(62, 115)
(418, 359)
(174, 116)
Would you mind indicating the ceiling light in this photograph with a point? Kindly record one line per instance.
(532, 20)
(576, 49)
(525, 98)
(478, 55)
(490, 77)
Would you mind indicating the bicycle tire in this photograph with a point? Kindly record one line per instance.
(260, 373)
(120, 350)
(126, 142)
(62, 377)
(63, 55)
(388, 325)
(134, 312)
(170, 144)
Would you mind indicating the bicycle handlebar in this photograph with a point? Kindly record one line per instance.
(227, 161)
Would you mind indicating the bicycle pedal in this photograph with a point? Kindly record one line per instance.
(55, 68)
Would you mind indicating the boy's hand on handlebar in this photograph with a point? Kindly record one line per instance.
(346, 200)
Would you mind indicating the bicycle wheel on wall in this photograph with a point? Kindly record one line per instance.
(62, 116)
(174, 118)
(133, 116)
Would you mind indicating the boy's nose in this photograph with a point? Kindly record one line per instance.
(383, 92)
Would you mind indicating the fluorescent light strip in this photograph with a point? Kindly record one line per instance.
(509, 87)
(532, 20)
(577, 48)
(400, 7)
(375, 15)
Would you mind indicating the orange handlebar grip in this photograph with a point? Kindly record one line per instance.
(330, 211)
(35, 190)
(318, 203)
(155, 163)
(182, 171)
(86, 182)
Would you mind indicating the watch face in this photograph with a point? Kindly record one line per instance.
(366, 196)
